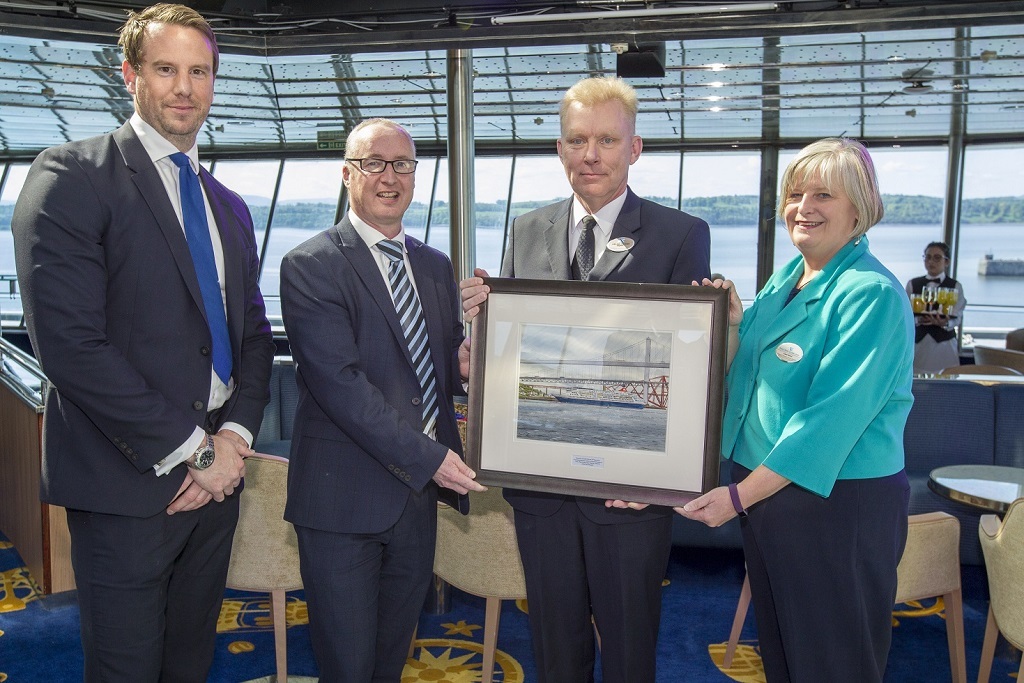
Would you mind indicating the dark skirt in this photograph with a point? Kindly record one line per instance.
(823, 577)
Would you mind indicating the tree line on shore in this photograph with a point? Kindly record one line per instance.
(718, 211)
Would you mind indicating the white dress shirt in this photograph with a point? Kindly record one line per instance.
(159, 150)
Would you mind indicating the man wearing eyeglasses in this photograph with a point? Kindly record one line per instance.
(374, 322)
(935, 340)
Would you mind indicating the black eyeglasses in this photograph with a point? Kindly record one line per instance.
(934, 257)
(370, 165)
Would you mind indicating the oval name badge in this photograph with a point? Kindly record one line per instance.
(788, 352)
(620, 244)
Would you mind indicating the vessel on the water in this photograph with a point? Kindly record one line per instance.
(594, 397)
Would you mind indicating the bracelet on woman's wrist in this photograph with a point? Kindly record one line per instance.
(734, 494)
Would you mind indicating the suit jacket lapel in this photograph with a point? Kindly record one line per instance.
(556, 235)
(626, 225)
(151, 187)
(355, 250)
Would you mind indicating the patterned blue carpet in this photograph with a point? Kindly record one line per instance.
(39, 635)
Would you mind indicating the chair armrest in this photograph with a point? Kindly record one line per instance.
(990, 525)
(268, 456)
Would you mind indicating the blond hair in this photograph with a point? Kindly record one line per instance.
(592, 91)
(133, 33)
(840, 163)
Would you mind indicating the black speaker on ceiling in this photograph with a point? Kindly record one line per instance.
(641, 61)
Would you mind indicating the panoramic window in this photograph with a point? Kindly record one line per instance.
(991, 251)
(306, 204)
(491, 189)
(722, 188)
(10, 298)
(254, 181)
(415, 220)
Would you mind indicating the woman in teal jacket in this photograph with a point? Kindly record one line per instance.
(819, 392)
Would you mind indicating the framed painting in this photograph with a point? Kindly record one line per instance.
(602, 389)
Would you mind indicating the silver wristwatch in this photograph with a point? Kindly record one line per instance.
(203, 457)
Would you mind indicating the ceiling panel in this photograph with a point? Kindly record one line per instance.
(889, 84)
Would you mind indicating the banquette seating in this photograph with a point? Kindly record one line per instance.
(952, 422)
(275, 437)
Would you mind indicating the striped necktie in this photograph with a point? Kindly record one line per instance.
(197, 233)
(410, 313)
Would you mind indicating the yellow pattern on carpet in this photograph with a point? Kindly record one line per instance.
(746, 663)
(449, 660)
(17, 589)
(246, 614)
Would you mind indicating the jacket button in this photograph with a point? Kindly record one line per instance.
(391, 467)
(198, 405)
(407, 477)
(205, 350)
(416, 401)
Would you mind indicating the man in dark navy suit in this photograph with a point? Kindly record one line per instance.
(585, 557)
(140, 284)
(374, 323)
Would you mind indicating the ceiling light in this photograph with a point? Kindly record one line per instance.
(716, 84)
(918, 81)
(717, 66)
(917, 88)
(633, 13)
(715, 109)
(713, 98)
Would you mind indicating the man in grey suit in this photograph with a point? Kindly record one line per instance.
(584, 557)
(140, 284)
(375, 327)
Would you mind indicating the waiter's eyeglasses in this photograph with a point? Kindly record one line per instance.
(927, 257)
(401, 166)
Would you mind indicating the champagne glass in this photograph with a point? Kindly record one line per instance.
(951, 298)
(917, 303)
(942, 299)
(929, 296)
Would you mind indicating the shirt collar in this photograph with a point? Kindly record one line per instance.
(372, 235)
(606, 215)
(156, 145)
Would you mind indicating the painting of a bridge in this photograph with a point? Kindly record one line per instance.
(595, 386)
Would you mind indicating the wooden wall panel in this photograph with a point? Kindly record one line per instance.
(38, 531)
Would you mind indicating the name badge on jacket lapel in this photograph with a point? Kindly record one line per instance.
(788, 352)
(620, 244)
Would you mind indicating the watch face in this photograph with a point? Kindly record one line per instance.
(203, 459)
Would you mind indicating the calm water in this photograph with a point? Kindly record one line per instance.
(592, 425)
(733, 249)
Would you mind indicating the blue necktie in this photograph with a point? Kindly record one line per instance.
(410, 313)
(197, 232)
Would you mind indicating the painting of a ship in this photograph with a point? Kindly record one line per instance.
(594, 397)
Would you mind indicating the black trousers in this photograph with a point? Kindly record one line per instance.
(823, 578)
(150, 591)
(576, 568)
(365, 593)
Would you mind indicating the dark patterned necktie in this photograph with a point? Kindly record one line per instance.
(197, 232)
(585, 248)
(410, 313)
